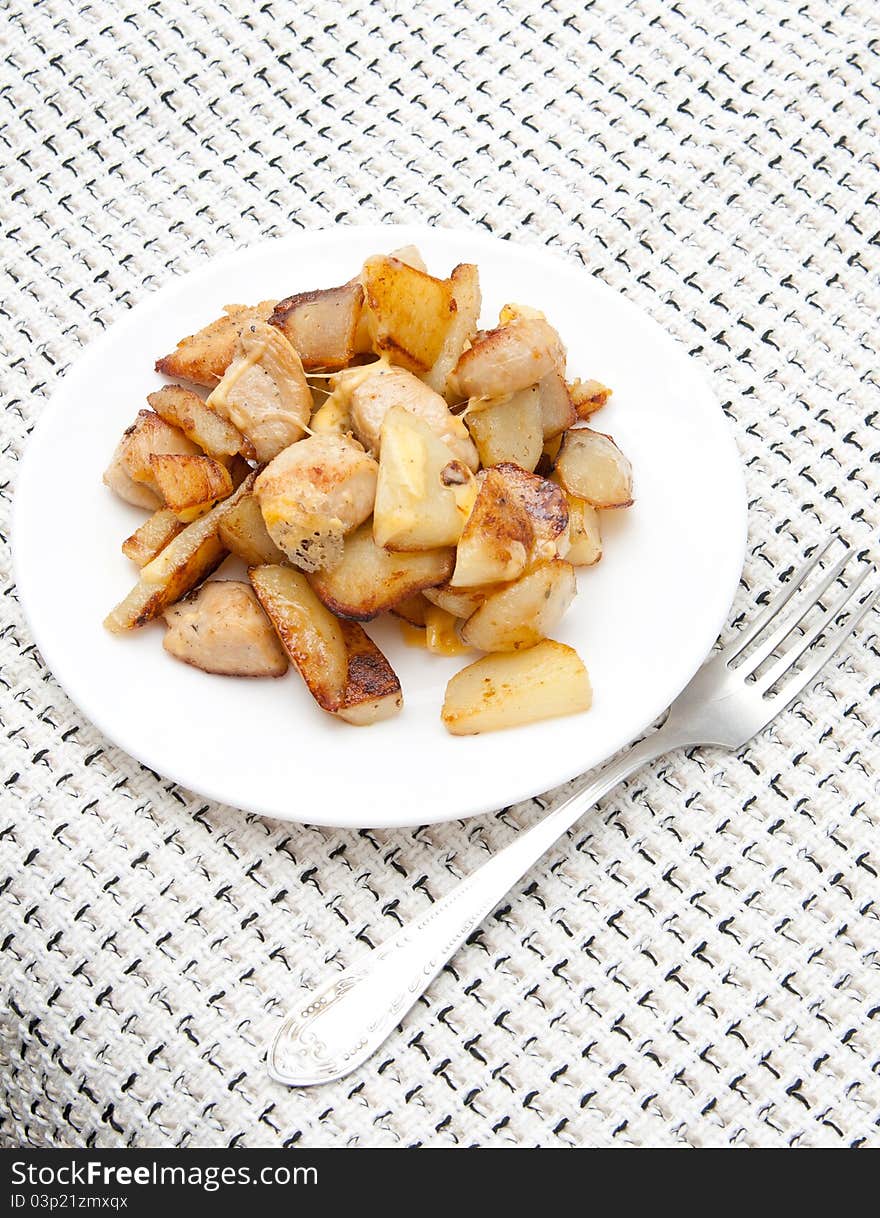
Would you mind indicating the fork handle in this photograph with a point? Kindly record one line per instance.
(334, 1029)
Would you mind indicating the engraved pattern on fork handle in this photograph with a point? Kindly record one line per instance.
(336, 1028)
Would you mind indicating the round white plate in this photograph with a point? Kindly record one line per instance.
(643, 621)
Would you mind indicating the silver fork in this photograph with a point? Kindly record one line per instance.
(736, 693)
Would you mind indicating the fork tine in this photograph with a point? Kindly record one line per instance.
(778, 603)
(802, 678)
(790, 622)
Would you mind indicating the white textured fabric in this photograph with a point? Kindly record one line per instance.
(698, 963)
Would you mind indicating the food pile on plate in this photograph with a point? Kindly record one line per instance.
(368, 449)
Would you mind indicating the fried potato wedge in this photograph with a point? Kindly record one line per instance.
(518, 519)
(546, 507)
(190, 485)
(467, 299)
(557, 409)
(460, 602)
(264, 392)
(152, 536)
(345, 672)
(243, 532)
(184, 409)
(203, 357)
(185, 561)
(372, 691)
(591, 466)
(322, 325)
(371, 579)
(588, 397)
(221, 628)
(423, 495)
(411, 610)
(148, 599)
(585, 532)
(523, 613)
(501, 691)
(314, 493)
(508, 430)
(508, 358)
(409, 312)
(495, 542)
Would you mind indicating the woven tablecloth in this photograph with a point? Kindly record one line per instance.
(697, 964)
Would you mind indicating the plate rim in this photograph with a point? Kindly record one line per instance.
(91, 353)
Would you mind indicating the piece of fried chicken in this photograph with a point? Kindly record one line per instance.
(315, 492)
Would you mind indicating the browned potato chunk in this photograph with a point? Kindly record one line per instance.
(314, 493)
(243, 531)
(508, 358)
(150, 436)
(346, 673)
(523, 613)
(152, 536)
(264, 392)
(460, 602)
(188, 558)
(584, 530)
(384, 385)
(322, 325)
(408, 311)
(423, 495)
(591, 466)
(557, 409)
(184, 409)
(508, 430)
(411, 610)
(495, 543)
(518, 519)
(547, 509)
(203, 357)
(222, 629)
(501, 691)
(588, 397)
(371, 579)
(465, 283)
(372, 690)
(190, 486)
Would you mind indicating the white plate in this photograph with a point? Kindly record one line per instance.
(643, 621)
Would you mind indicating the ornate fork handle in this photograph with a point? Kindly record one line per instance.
(335, 1028)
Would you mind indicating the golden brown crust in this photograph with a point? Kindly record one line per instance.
(190, 485)
(189, 558)
(146, 600)
(409, 311)
(545, 503)
(322, 325)
(152, 536)
(412, 609)
(186, 410)
(588, 397)
(203, 357)
(371, 678)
